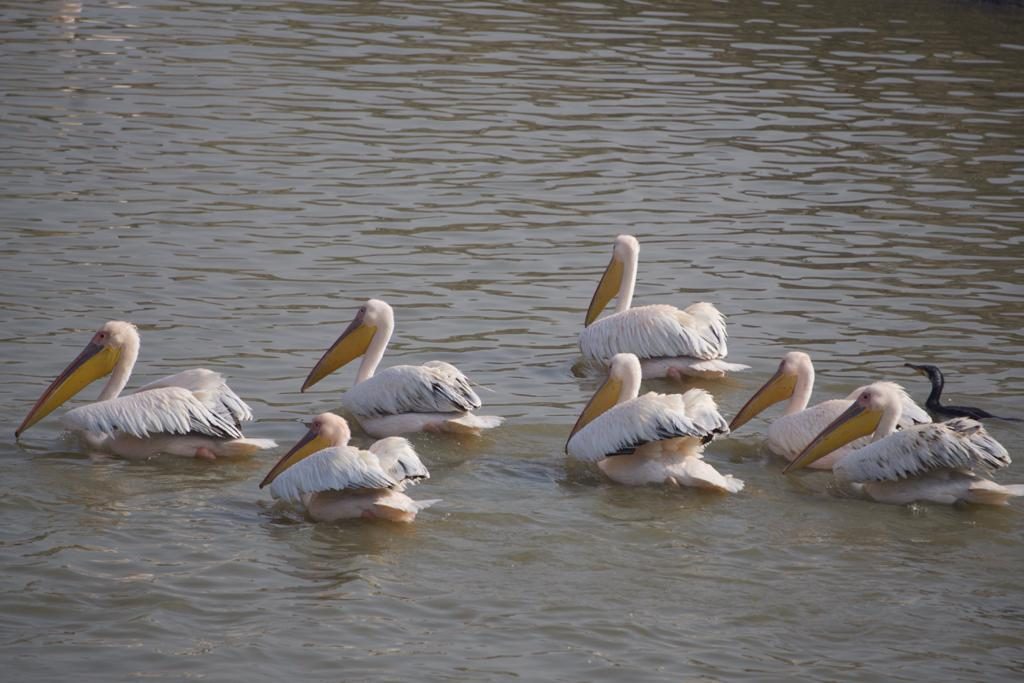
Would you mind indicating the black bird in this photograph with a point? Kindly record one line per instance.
(948, 412)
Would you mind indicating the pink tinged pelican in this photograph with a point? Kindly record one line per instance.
(669, 342)
(434, 396)
(649, 439)
(333, 480)
(191, 413)
(793, 382)
(937, 462)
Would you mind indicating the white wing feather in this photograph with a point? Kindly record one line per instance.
(658, 331)
(433, 387)
(648, 418)
(961, 444)
(331, 469)
(702, 409)
(209, 387)
(164, 410)
(390, 463)
(399, 459)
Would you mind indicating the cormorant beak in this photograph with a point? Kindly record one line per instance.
(919, 368)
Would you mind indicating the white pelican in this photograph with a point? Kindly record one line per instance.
(787, 435)
(669, 342)
(434, 396)
(933, 462)
(649, 439)
(191, 413)
(335, 481)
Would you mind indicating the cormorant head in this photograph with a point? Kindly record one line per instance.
(929, 371)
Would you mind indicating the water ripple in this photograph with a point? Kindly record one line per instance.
(237, 177)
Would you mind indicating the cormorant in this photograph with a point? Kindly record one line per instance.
(947, 412)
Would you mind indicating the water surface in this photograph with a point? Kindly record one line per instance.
(841, 178)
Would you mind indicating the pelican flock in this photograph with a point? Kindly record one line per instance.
(876, 441)
(192, 413)
(668, 341)
(793, 382)
(434, 396)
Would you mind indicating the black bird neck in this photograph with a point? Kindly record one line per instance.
(937, 383)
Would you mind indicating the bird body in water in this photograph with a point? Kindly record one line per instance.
(651, 439)
(947, 412)
(193, 413)
(432, 397)
(669, 342)
(334, 480)
(935, 462)
(793, 383)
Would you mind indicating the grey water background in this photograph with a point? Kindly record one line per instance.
(845, 178)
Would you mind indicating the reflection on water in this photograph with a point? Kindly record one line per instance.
(841, 178)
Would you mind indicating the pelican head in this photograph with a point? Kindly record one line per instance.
(326, 430)
(864, 417)
(622, 384)
(618, 277)
(115, 341)
(782, 385)
(372, 316)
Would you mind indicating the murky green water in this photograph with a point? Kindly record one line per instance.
(842, 178)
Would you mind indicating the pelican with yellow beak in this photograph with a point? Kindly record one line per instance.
(793, 382)
(669, 342)
(650, 439)
(933, 462)
(333, 480)
(434, 396)
(192, 413)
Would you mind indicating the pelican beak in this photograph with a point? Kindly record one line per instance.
(351, 344)
(93, 362)
(855, 422)
(307, 446)
(780, 387)
(607, 288)
(604, 398)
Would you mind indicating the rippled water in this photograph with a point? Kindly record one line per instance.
(845, 178)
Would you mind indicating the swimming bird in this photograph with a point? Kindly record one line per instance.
(333, 480)
(789, 434)
(191, 413)
(945, 412)
(669, 342)
(434, 396)
(936, 462)
(649, 439)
